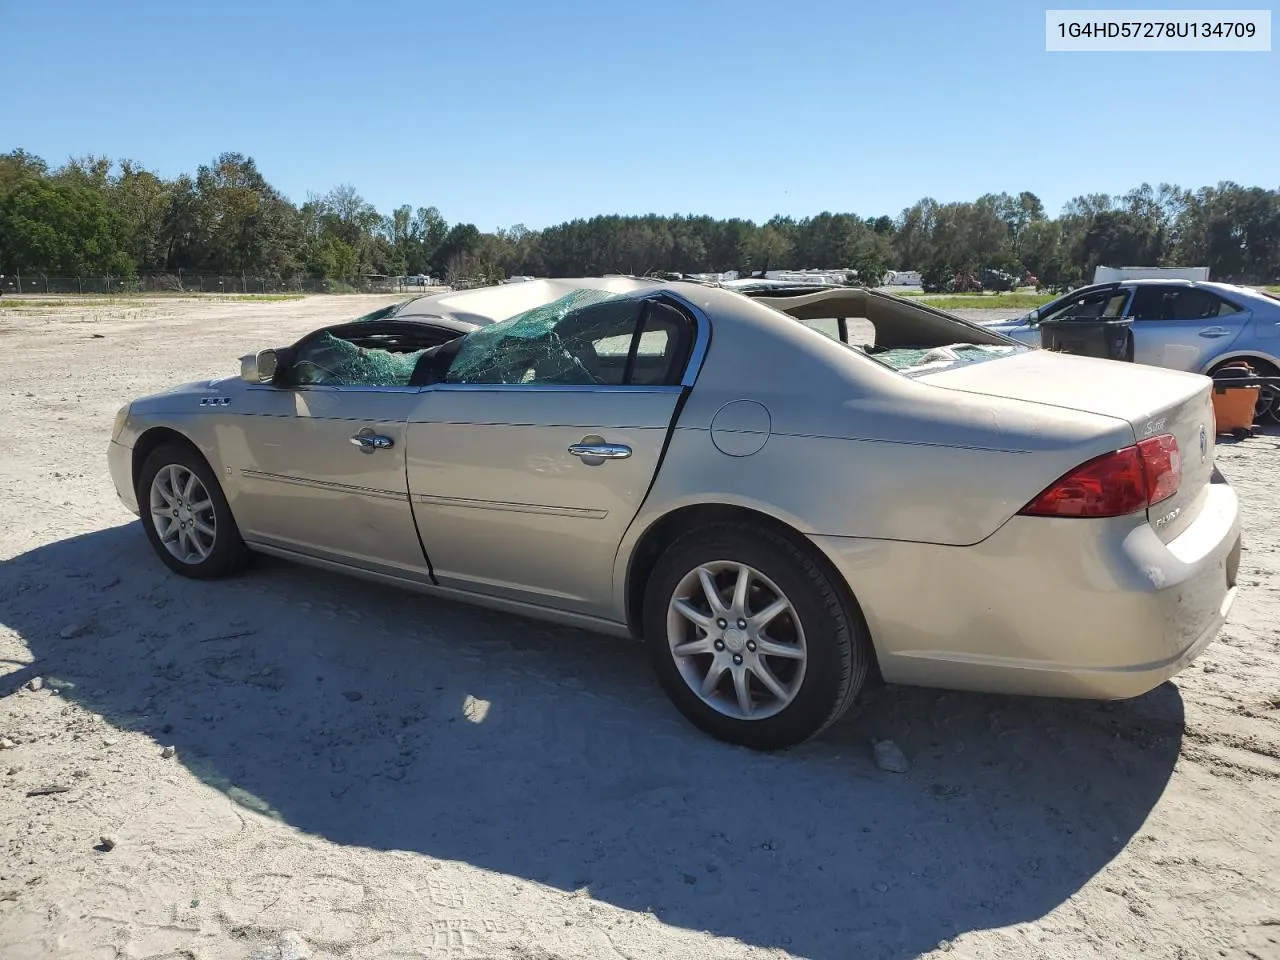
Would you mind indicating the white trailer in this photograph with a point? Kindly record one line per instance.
(1116, 274)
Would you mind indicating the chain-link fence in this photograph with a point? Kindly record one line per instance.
(208, 283)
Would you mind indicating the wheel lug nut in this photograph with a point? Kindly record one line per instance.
(742, 624)
(751, 645)
(719, 644)
(722, 624)
(737, 659)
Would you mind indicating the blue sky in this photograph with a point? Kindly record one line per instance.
(502, 112)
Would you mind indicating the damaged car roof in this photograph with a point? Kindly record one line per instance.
(485, 305)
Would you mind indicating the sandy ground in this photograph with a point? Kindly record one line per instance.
(365, 773)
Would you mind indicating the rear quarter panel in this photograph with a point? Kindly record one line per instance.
(1264, 329)
(852, 449)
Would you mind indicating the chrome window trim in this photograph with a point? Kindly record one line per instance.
(333, 387)
(701, 337)
(464, 387)
(550, 388)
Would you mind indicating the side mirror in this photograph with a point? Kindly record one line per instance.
(259, 367)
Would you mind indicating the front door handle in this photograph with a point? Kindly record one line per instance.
(600, 450)
(369, 442)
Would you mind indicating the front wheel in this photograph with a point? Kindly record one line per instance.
(750, 637)
(186, 516)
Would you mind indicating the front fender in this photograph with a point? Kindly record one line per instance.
(140, 434)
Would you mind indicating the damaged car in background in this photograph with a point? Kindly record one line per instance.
(784, 492)
(1197, 326)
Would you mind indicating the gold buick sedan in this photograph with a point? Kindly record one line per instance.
(782, 492)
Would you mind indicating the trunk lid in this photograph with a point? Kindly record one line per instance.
(1152, 400)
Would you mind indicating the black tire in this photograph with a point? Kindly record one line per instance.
(229, 554)
(839, 652)
(1268, 408)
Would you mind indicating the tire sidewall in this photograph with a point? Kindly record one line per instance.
(227, 545)
(1262, 368)
(829, 638)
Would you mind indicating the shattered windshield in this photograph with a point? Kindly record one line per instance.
(566, 341)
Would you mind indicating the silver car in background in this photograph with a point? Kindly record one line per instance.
(1179, 324)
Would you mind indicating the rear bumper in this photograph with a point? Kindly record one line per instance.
(1099, 609)
(120, 464)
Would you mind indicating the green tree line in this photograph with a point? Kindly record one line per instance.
(93, 216)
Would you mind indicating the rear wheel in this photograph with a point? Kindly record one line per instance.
(1268, 406)
(750, 637)
(186, 516)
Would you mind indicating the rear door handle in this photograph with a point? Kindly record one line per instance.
(1213, 332)
(369, 442)
(600, 451)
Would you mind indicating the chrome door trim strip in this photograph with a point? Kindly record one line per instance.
(582, 513)
(326, 485)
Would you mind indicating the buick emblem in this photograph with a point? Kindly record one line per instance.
(1204, 443)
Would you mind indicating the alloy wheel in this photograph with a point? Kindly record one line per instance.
(182, 513)
(736, 640)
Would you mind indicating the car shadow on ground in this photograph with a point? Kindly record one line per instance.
(384, 719)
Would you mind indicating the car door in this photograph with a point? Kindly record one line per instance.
(529, 462)
(1106, 302)
(319, 453)
(1183, 327)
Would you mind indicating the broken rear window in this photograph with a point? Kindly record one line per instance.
(914, 361)
(901, 335)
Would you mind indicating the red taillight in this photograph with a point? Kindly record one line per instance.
(1162, 463)
(1116, 483)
